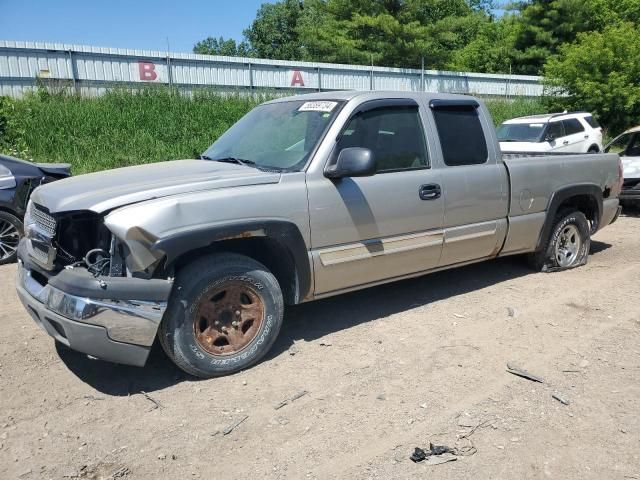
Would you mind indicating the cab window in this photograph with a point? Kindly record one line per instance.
(394, 135)
(461, 136)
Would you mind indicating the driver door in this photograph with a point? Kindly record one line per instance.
(368, 229)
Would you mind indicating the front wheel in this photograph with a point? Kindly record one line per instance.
(224, 315)
(11, 231)
(568, 245)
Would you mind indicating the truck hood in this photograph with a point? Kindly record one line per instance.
(631, 167)
(103, 191)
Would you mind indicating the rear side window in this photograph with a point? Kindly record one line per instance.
(572, 126)
(592, 121)
(555, 130)
(461, 136)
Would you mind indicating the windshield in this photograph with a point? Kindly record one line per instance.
(520, 132)
(278, 136)
(626, 145)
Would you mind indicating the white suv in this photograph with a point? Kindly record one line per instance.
(558, 132)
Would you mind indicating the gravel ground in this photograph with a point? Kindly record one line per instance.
(385, 370)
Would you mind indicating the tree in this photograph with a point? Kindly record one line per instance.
(544, 25)
(491, 51)
(274, 32)
(220, 46)
(599, 73)
(395, 33)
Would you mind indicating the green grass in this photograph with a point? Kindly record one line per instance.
(502, 110)
(124, 128)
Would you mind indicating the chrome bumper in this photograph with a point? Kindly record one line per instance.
(129, 321)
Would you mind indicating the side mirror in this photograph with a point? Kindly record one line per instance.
(550, 137)
(353, 162)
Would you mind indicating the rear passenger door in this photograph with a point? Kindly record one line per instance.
(575, 136)
(555, 136)
(476, 185)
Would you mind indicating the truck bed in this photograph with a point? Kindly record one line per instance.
(534, 177)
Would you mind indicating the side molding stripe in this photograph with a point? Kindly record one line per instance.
(374, 248)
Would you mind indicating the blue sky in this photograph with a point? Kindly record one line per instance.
(143, 24)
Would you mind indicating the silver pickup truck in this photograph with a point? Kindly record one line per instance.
(304, 198)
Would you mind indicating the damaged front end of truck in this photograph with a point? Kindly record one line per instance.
(88, 288)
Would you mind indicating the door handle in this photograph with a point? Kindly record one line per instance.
(430, 191)
(566, 142)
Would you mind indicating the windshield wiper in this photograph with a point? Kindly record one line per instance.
(239, 161)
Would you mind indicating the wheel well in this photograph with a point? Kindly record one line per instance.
(271, 253)
(8, 210)
(594, 147)
(586, 204)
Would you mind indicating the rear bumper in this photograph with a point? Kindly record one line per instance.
(120, 331)
(632, 194)
(610, 212)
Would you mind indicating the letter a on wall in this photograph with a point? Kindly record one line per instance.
(296, 79)
(147, 71)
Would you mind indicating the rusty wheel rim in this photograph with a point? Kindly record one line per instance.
(228, 318)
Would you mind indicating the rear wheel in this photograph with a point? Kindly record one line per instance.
(568, 245)
(593, 150)
(224, 314)
(11, 231)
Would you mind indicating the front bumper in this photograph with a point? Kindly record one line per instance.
(113, 329)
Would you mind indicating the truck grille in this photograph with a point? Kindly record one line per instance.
(40, 254)
(43, 220)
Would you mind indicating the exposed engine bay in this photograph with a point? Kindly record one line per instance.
(75, 239)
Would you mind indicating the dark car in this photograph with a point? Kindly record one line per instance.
(17, 180)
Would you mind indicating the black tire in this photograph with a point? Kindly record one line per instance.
(593, 150)
(182, 333)
(13, 230)
(567, 225)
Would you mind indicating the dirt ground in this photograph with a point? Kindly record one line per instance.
(386, 369)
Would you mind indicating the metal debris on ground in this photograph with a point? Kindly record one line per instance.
(287, 401)
(436, 455)
(234, 425)
(121, 472)
(513, 369)
(156, 403)
(560, 398)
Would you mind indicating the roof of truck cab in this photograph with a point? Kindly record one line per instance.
(347, 95)
(632, 130)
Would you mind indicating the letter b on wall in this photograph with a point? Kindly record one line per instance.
(147, 71)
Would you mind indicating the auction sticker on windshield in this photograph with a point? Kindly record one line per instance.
(317, 106)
